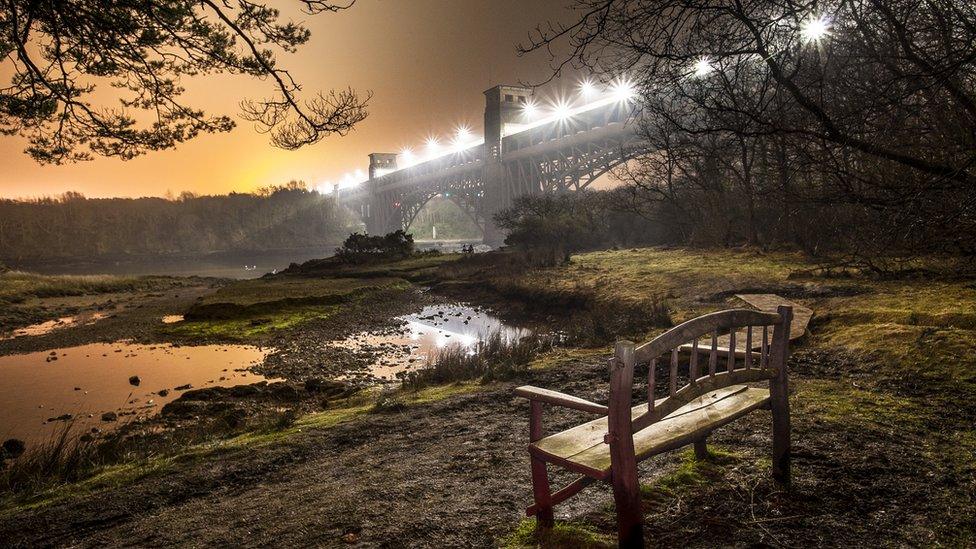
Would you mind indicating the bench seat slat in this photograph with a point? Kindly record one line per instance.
(582, 448)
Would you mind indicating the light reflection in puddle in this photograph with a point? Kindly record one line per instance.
(43, 328)
(425, 333)
(92, 379)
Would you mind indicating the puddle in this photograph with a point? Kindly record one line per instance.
(93, 379)
(44, 328)
(425, 333)
(172, 319)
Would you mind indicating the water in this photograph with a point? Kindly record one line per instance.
(425, 333)
(93, 379)
(236, 265)
(43, 328)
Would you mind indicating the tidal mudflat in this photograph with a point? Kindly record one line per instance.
(101, 385)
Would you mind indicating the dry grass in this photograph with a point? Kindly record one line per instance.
(16, 286)
(494, 358)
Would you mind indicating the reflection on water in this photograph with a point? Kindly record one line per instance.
(227, 265)
(424, 333)
(43, 328)
(87, 381)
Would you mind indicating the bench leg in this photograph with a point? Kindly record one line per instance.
(626, 496)
(701, 450)
(542, 494)
(781, 436)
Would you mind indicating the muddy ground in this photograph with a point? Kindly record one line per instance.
(454, 474)
(888, 467)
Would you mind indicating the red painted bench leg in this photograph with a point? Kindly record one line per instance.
(542, 494)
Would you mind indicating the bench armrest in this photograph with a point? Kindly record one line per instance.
(560, 399)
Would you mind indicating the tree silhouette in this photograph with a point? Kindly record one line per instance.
(58, 51)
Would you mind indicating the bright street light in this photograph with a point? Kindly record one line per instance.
(623, 90)
(406, 157)
(462, 136)
(530, 110)
(562, 110)
(814, 29)
(703, 67)
(433, 144)
(587, 89)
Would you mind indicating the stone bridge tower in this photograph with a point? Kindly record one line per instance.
(503, 106)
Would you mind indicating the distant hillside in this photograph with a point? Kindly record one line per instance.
(72, 226)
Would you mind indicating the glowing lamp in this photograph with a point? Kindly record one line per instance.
(703, 67)
(406, 157)
(561, 110)
(814, 29)
(530, 111)
(587, 89)
(623, 90)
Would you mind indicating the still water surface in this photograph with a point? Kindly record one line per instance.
(93, 379)
(425, 333)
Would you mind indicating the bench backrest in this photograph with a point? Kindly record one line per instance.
(699, 366)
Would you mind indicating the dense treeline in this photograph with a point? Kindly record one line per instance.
(845, 129)
(72, 226)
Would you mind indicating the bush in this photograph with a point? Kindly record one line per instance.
(548, 229)
(359, 247)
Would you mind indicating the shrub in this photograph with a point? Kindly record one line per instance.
(359, 247)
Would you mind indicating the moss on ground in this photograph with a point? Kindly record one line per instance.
(564, 535)
(249, 327)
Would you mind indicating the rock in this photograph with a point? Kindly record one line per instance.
(324, 386)
(62, 417)
(134, 380)
(13, 447)
(162, 392)
(234, 418)
(284, 391)
(183, 387)
(110, 416)
(243, 390)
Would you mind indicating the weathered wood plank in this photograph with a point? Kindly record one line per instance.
(771, 302)
(620, 448)
(538, 394)
(682, 429)
(697, 327)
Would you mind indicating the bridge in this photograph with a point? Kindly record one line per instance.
(523, 151)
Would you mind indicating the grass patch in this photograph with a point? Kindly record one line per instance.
(249, 326)
(562, 535)
(17, 286)
(691, 472)
(263, 296)
(840, 402)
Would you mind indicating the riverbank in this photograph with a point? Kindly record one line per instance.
(882, 401)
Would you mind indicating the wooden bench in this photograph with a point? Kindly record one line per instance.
(702, 395)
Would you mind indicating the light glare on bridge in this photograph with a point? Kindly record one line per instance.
(620, 91)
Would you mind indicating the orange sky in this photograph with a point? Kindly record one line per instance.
(427, 62)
